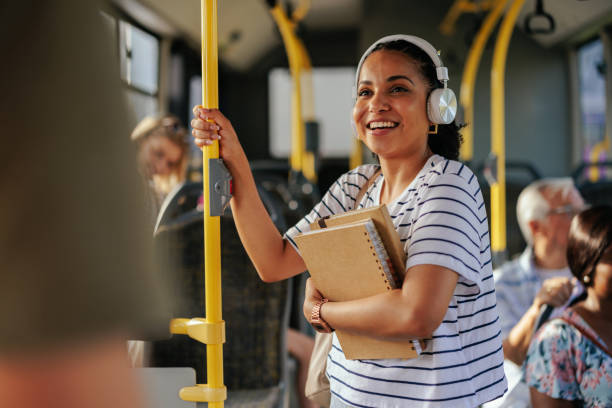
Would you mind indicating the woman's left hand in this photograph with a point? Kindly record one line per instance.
(312, 297)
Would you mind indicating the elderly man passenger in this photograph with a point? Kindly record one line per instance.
(540, 275)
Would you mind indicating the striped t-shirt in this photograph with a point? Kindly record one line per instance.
(441, 220)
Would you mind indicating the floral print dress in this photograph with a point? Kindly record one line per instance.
(563, 363)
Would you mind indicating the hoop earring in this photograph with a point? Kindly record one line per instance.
(433, 129)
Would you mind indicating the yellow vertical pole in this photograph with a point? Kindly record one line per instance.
(211, 330)
(308, 114)
(468, 80)
(212, 225)
(287, 28)
(498, 189)
(356, 158)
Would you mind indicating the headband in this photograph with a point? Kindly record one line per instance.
(441, 70)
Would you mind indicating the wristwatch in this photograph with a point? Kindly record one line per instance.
(317, 321)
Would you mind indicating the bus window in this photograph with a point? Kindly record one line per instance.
(333, 87)
(139, 58)
(592, 97)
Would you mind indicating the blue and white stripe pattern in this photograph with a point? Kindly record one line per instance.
(441, 219)
(517, 283)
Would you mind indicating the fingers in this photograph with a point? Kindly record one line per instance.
(211, 115)
(209, 125)
(556, 291)
(204, 133)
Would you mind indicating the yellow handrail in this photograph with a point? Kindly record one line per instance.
(356, 158)
(468, 80)
(287, 30)
(447, 26)
(301, 10)
(600, 147)
(308, 114)
(212, 225)
(211, 330)
(498, 189)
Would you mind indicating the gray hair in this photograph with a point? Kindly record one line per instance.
(532, 205)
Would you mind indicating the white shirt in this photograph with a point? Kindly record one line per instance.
(441, 220)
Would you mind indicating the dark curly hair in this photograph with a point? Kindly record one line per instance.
(447, 141)
(590, 236)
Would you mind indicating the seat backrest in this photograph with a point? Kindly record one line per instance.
(256, 313)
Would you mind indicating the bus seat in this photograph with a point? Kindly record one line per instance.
(272, 176)
(598, 192)
(518, 176)
(255, 313)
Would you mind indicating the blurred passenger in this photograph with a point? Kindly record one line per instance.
(76, 276)
(569, 362)
(540, 276)
(162, 153)
(448, 270)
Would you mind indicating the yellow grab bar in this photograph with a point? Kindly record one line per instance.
(600, 147)
(211, 330)
(212, 225)
(301, 10)
(468, 80)
(447, 26)
(308, 111)
(356, 158)
(287, 30)
(498, 189)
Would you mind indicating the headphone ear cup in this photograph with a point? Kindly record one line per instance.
(442, 106)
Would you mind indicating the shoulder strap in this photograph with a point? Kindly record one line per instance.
(586, 334)
(366, 186)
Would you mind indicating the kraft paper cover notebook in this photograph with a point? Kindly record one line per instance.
(348, 262)
(384, 225)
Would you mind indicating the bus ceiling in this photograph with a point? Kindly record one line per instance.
(246, 31)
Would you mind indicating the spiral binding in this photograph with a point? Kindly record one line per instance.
(383, 258)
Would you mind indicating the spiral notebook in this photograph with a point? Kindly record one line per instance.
(350, 261)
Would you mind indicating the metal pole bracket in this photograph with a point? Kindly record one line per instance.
(220, 187)
(203, 393)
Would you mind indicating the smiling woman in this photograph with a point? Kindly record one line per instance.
(404, 113)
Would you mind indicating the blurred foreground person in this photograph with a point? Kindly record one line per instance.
(569, 362)
(76, 276)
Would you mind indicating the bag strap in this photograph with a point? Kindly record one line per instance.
(586, 334)
(367, 185)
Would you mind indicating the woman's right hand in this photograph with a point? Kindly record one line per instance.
(555, 291)
(210, 125)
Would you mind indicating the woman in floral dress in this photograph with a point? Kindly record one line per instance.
(569, 363)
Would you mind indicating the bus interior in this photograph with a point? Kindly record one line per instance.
(554, 123)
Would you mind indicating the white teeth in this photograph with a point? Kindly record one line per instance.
(379, 125)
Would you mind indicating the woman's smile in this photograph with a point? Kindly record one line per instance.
(390, 111)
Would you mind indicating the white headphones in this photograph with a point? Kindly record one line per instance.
(442, 102)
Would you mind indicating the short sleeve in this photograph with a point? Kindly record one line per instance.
(447, 224)
(549, 367)
(339, 198)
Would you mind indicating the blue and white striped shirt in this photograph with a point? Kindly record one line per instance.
(441, 220)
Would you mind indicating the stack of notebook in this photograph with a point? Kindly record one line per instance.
(355, 255)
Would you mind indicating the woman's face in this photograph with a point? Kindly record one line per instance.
(160, 156)
(602, 279)
(390, 113)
